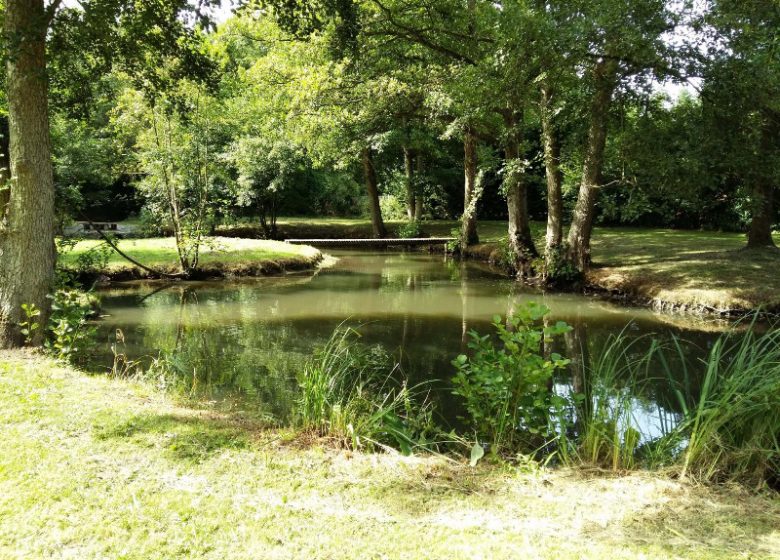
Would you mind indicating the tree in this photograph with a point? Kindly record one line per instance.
(613, 41)
(742, 99)
(27, 254)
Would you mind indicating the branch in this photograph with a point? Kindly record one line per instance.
(51, 10)
(127, 257)
(415, 35)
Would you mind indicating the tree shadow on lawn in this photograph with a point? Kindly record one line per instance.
(183, 436)
(632, 511)
(731, 522)
(744, 273)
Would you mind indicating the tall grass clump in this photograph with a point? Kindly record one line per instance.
(731, 429)
(352, 393)
(608, 434)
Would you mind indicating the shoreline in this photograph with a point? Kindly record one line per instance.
(236, 258)
(629, 294)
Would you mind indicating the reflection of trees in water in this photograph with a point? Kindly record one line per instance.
(248, 340)
(213, 359)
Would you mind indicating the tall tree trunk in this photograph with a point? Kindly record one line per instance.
(27, 251)
(521, 242)
(763, 207)
(552, 160)
(762, 217)
(411, 201)
(605, 74)
(372, 187)
(418, 203)
(469, 221)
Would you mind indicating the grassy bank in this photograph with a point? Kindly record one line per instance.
(92, 467)
(666, 269)
(219, 256)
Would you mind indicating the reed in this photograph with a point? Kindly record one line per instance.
(731, 429)
(351, 393)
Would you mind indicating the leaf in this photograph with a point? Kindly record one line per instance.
(477, 452)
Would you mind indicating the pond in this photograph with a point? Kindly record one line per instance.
(241, 343)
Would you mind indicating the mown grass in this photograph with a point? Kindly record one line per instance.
(93, 467)
(694, 270)
(216, 252)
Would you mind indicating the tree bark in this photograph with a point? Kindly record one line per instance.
(411, 201)
(605, 74)
(552, 160)
(763, 208)
(469, 234)
(521, 242)
(369, 173)
(418, 203)
(762, 217)
(27, 252)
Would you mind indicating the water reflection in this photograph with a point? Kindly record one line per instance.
(245, 341)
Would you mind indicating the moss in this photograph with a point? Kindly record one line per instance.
(92, 467)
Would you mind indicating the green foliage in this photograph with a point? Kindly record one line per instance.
(556, 268)
(68, 324)
(348, 392)
(392, 208)
(731, 429)
(410, 230)
(505, 383)
(456, 244)
(30, 323)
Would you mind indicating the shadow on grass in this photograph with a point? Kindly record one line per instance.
(183, 437)
(713, 522)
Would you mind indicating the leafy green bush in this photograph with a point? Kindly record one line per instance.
(30, 323)
(410, 230)
(505, 384)
(68, 326)
(556, 268)
(392, 208)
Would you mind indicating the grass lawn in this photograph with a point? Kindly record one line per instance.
(216, 254)
(92, 467)
(665, 267)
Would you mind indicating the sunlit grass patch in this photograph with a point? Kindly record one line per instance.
(220, 254)
(89, 468)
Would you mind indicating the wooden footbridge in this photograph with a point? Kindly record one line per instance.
(374, 243)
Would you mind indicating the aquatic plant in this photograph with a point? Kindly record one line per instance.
(728, 427)
(351, 392)
(731, 429)
(607, 434)
(505, 384)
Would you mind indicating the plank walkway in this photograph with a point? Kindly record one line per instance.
(410, 242)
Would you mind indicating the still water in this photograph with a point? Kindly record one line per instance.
(241, 343)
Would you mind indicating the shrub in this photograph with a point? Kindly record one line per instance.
(68, 324)
(392, 208)
(505, 384)
(410, 230)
